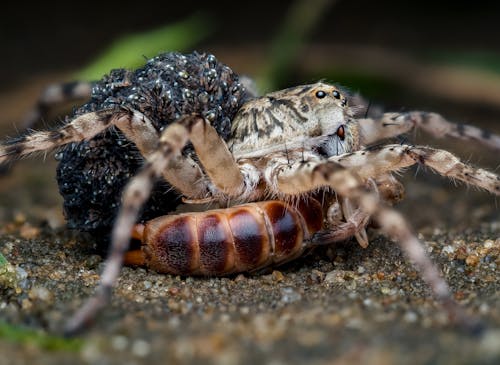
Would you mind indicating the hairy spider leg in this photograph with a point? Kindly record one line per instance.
(83, 127)
(372, 162)
(393, 124)
(341, 231)
(54, 95)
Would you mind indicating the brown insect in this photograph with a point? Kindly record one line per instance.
(225, 241)
(283, 149)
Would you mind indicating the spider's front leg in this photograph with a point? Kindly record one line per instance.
(394, 124)
(304, 176)
(376, 161)
(220, 166)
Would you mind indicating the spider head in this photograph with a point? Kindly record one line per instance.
(330, 114)
(322, 94)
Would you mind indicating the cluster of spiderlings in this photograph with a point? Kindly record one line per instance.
(92, 174)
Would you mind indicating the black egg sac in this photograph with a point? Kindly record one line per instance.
(92, 174)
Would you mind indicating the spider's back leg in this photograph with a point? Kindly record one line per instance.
(55, 95)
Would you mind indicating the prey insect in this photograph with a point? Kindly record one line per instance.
(213, 142)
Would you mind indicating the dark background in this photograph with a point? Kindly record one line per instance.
(38, 38)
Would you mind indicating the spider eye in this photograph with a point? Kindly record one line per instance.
(341, 132)
(336, 94)
(320, 94)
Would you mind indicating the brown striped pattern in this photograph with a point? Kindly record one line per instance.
(287, 230)
(172, 247)
(216, 248)
(251, 239)
(238, 239)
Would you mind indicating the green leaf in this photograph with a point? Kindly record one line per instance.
(22, 335)
(130, 51)
(3, 261)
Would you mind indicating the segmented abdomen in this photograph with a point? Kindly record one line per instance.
(224, 241)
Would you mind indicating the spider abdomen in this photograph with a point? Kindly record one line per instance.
(225, 241)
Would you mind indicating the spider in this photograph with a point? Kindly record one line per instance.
(214, 142)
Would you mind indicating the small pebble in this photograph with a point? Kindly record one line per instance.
(141, 348)
(119, 342)
(410, 317)
(278, 276)
(484, 309)
(289, 295)
(91, 352)
(385, 290)
(335, 276)
(448, 249)
(472, 260)
(489, 244)
(27, 231)
(19, 218)
(40, 294)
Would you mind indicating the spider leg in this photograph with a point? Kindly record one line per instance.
(54, 95)
(393, 124)
(213, 153)
(340, 232)
(135, 194)
(396, 226)
(82, 128)
(183, 173)
(385, 186)
(349, 209)
(217, 160)
(137, 191)
(376, 161)
(211, 150)
(304, 176)
(310, 175)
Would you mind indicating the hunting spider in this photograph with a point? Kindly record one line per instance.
(281, 151)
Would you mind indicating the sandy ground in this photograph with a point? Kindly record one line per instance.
(337, 305)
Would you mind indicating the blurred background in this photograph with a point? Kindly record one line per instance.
(359, 43)
(441, 56)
